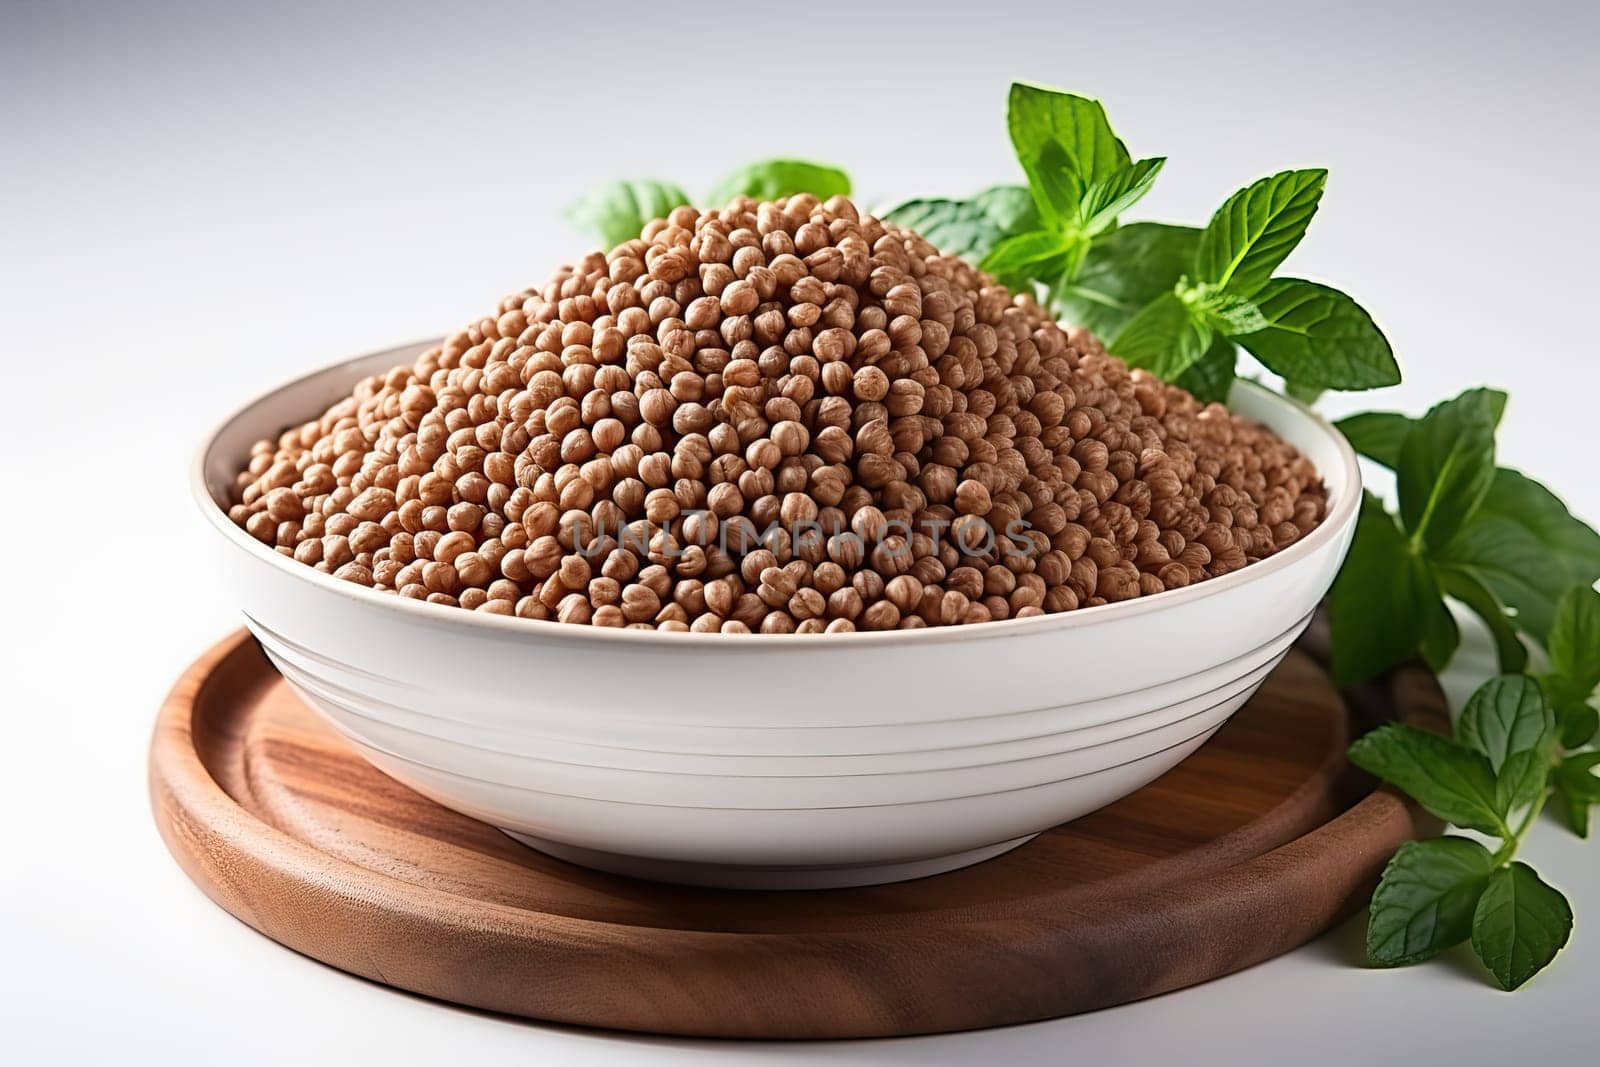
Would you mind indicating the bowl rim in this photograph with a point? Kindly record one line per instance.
(1343, 513)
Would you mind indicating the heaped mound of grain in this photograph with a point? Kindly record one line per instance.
(777, 417)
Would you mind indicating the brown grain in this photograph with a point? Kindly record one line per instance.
(780, 417)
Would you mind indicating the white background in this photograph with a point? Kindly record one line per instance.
(199, 203)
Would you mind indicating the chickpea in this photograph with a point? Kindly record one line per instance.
(778, 418)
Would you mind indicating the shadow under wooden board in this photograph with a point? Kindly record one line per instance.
(1252, 846)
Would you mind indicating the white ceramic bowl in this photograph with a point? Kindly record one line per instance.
(773, 761)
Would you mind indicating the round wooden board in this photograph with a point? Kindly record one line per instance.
(1252, 846)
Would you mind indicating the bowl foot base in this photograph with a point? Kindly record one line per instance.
(732, 877)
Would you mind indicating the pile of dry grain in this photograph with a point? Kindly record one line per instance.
(777, 417)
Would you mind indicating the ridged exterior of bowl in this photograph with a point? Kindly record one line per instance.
(774, 761)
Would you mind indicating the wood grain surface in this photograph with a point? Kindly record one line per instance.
(1255, 844)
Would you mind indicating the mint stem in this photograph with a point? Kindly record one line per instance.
(1508, 846)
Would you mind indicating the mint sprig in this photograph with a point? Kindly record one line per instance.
(1506, 548)
(1489, 536)
(1182, 301)
(1492, 777)
(1081, 178)
(1127, 283)
(1313, 336)
(1065, 145)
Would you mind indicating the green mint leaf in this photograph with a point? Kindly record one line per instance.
(1576, 719)
(1381, 599)
(1210, 378)
(1508, 714)
(1574, 647)
(1425, 901)
(1575, 776)
(1577, 817)
(1104, 200)
(1509, 721)
(1256, 229)
(1523, 544)
(1164, 339)
(1466, 587)
(1579, 724)
(966, 228)
(1450, 780)
(1378, 435)
(1578, 788)
(970, 228)
(617, 211)
(1575, 637)
(1306, 394)
(1123, 272)
(1039, 253)
(1318, 336)
(1519, 925)
(956, 227)
(1010, 206)
(1064, 143)
(1447, 465)
(1521, 781)
(1056, 189)
(770, 179)
(1574, 812)
(1230, 315)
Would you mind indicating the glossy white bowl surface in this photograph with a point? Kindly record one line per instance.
(773, 761)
